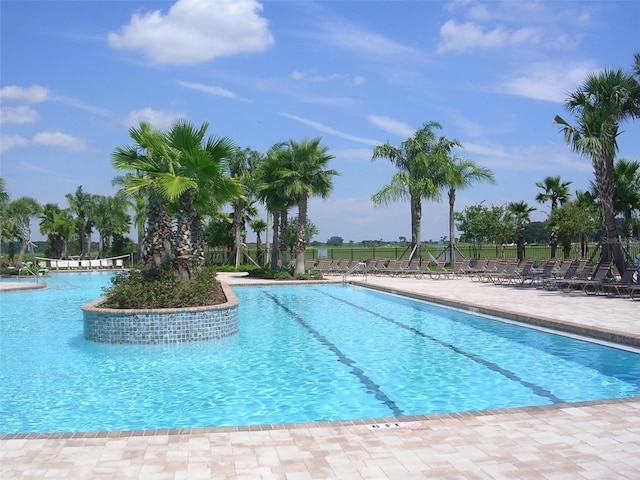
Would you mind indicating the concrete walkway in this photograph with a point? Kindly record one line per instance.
(570, 441)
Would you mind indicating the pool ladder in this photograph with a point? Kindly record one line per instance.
(360, 266)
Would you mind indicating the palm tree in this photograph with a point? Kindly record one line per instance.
(80, 204)
(557, 192)
(626, 197)
(23, 209)
(421, 172)
(305, 174)
(111, 220)
(271, 190)
(519, 213)
(242, 165)
(150, 163)
(58, 225)
(198, 184)
(599, 105)
(258, 226)
(138, 204)
(462, 173)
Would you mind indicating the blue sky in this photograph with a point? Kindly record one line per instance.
(76, 75)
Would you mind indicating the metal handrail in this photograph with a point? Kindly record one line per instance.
(356, 266)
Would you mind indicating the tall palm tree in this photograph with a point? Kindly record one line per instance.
(421, 172)
(557, 192)
(271, 190)
(599, 105)
(305, 174)
(626, 197)
(519, 213)
(462, 173)
(80, 203)
(242, 164)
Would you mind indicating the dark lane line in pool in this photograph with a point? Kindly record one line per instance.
(366, 381)
(537, 389)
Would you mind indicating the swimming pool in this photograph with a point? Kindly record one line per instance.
(304, 353)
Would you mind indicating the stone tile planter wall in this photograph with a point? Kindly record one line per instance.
(158, 326)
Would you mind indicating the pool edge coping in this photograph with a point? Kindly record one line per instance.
(367, 422)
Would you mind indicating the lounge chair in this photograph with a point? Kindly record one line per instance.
(519, 277)
(570, 272)
(503, 276)
(589, 285)
(547, 271)
(439, 272)
(621, 287)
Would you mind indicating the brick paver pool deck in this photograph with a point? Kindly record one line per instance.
(570, 441)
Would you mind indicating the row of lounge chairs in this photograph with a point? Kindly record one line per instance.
(568, 276)
(85, 264)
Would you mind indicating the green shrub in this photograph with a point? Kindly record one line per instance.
(138, 290)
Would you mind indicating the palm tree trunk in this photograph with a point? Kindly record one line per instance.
(158, 237)
(452, 238)
(275, 246)
(301, 241)
(416, 219)
(284, 236)
(237, 234)
(612, 248)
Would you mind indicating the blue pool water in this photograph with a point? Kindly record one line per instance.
(306, 353)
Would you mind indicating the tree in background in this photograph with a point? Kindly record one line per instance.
(111, 220)
(81, 204)
(258, 226)
(599, 105)
(242, 165)
(557, 192)
(573, 222)
(518, 214)
(480, 224)
(626, 196)
(271, 190)
(57, 224)
(22, 210)
(421, 163)
(460, 174)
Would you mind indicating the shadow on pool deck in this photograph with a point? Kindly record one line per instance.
(587, 440)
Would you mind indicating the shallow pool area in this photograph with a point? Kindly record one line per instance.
(304, 353)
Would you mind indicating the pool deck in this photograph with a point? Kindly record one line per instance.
(593, 440)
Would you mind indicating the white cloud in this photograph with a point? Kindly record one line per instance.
(532, 158)
(80, 105)
(17, 115)
(60, 140)
(7, 142)
(354, 81)
(212, 90)
(469, 36)
(548, 81)
(392, 126)
(157, 118)
(352, 38)
(196, 31)
(326, 129)
(33, 94)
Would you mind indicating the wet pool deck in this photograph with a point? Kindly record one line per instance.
(572, 441)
